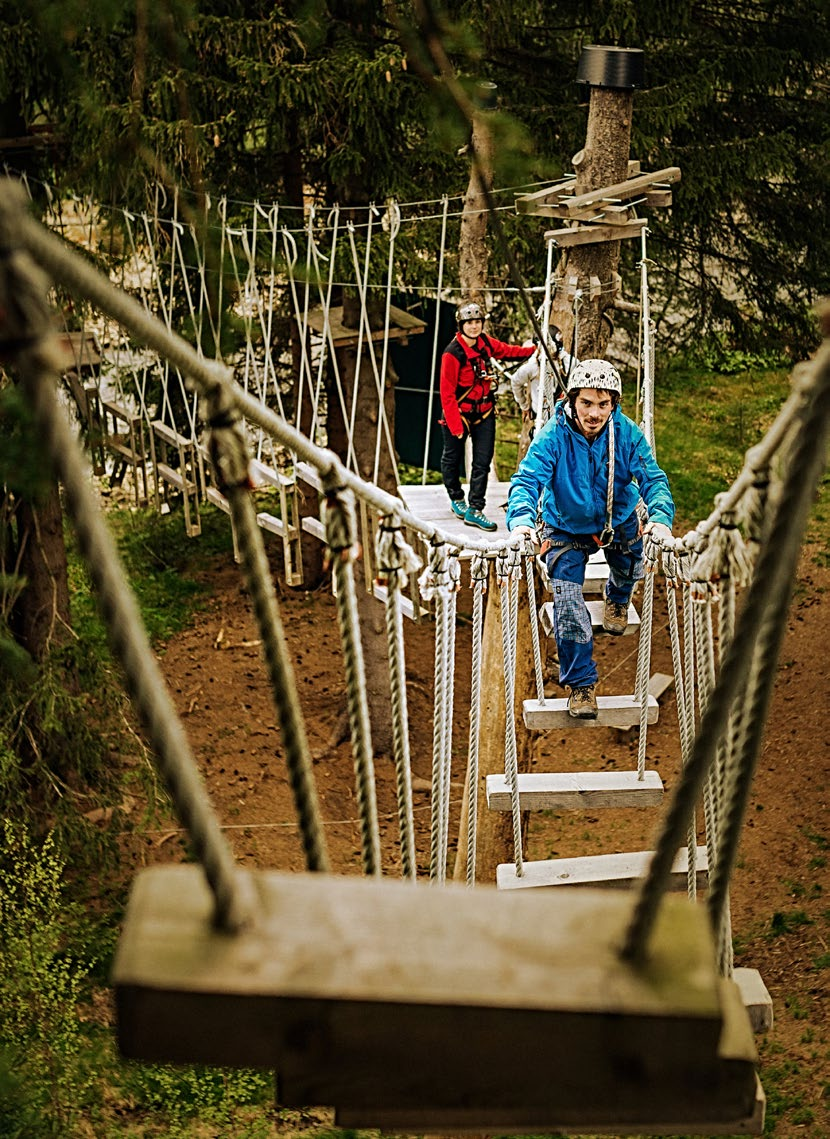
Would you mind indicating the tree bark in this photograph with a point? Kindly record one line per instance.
(602, 162)
(41, 617)
(473, 258)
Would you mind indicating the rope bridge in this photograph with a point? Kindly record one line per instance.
(404, 1005)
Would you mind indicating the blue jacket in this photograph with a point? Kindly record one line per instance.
(571, 476)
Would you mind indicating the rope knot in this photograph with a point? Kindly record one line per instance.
(435, 579)
(227, 442)
(479, 572)
(395, 557)
(338, 516)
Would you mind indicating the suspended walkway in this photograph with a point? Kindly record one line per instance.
(427, 1006)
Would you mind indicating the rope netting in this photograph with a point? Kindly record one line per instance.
(750, 541)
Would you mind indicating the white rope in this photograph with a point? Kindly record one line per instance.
(479, 573)
(530, 576)
(396, 560)
(546, 396)
(648, 352)
(643, 674)
(338, 518)
(435, 585)
(433, 363)
(394, 216)
(505, 579)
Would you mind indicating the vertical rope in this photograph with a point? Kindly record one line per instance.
(338, 518)
(434, 584)
(396, 560)
(504, 579)
(650, 555)
(530, 576)
(479, 571)
(441, 252)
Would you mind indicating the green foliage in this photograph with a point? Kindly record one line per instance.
(783, 923)
(42, 1078)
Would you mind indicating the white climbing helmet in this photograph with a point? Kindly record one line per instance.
(597, 374)
(469, 311)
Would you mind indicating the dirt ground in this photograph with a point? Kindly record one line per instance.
(781, 919)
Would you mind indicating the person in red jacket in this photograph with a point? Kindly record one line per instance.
(468, 402)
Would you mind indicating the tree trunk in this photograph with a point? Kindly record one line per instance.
(41, 617)
(472, 246)
(602, 162)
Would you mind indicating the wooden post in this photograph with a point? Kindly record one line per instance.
(603, 161)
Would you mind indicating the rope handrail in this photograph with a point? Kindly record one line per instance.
(68, 267)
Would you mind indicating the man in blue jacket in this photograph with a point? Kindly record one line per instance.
(591, 466)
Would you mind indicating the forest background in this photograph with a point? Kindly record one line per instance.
(343, 103)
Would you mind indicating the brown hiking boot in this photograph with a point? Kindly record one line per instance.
(615, 618)
(582, 703)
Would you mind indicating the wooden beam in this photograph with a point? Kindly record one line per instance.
(402, 325)
(623, 190)
(575, 790)
(391, 995)
(549, 195)
(423, 1121)
(590, 234)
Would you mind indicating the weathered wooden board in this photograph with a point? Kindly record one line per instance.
(610, 871)
(572, 790)
(369, 992)
(613, 712)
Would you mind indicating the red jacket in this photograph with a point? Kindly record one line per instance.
(466, 385)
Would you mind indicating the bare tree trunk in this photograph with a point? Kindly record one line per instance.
(602, 162)
(473, 257)
(41, 617)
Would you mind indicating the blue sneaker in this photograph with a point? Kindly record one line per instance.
(459, 507)
(475, 517)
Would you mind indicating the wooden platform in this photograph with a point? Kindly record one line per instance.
(595, 611)
(431, 503)
(614, 712)
(540, 791)
(611, 871)
(384, 995)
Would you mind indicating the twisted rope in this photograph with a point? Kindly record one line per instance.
(435, 586)
(229, 455)
(338, 518)
(506, 578)
(650, 555)
(396, 560)
(28, 340)
(479, 572)
(530, 576)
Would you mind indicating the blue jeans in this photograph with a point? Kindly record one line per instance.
(483, 435)
(566, 569)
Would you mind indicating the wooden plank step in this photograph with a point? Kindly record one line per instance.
(596, 574)
(271, 523)
(261, 473)
(397, 995)
(175, 478)
(756, 998)
(613, 712)
(611, 871)
(407, 605)
(431, 1121)
(214, 495)
(314, 526)
(169, 435)
(539, 791)
(308, 474)
(595, 610)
